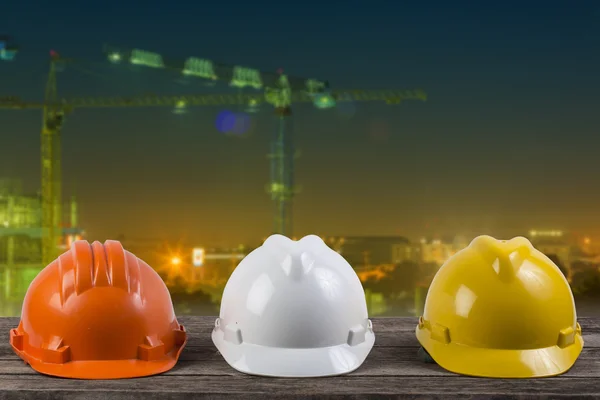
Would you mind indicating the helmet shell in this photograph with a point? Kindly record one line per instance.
(500, 309)
(98, 312)
(288, 301)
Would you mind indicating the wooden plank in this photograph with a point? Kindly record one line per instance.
(388, 332)
(181, 387)
(386, 339)
(382, 361)
(392, 370)
(205, 324)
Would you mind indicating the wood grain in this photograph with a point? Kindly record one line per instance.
(392, 370)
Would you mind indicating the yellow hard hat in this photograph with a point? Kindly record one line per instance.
(500, 309)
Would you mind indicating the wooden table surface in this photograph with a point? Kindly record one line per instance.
(391, 371)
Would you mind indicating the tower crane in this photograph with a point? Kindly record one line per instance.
(280, 90)
(279, 93)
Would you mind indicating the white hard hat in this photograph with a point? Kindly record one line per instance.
(294, 309)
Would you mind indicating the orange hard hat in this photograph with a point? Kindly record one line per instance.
(98, 312)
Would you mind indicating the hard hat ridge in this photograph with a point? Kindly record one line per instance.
(97, 265)
(297, 265)
(282, 244)
(313, 243)
(505, 257)
(297, 258)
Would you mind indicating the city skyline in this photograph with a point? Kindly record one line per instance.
(505, 142)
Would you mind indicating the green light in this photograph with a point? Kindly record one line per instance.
(324, 101)
(243, 77)
(199, 67)
(142, 57)
(114, 57)
(180, 107)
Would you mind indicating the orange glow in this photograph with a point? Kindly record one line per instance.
(171, 262)
(71, 239)
(378, 274)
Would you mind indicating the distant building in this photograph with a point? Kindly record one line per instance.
(553, 242)
(407, 252)
(16, 209)
(437, 251)
(386, 250)
(562, 251)
(367, 250)
(210, 268)
(20, 225)
(434, 251)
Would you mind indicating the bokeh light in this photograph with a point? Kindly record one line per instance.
(233, 123)
(225, 121)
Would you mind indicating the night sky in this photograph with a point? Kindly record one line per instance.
(507, 141)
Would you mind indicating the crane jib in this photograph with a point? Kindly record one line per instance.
(235, 75)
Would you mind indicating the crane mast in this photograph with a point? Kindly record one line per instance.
(51, 167)
(282, 157)
(281, 187)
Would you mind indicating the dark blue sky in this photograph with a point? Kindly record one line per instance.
(507, 141)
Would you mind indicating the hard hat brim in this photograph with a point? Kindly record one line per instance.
(104, 369)
(293, 363)
(499, 363)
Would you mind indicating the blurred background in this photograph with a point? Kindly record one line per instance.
(395, 272)
(396, 132)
